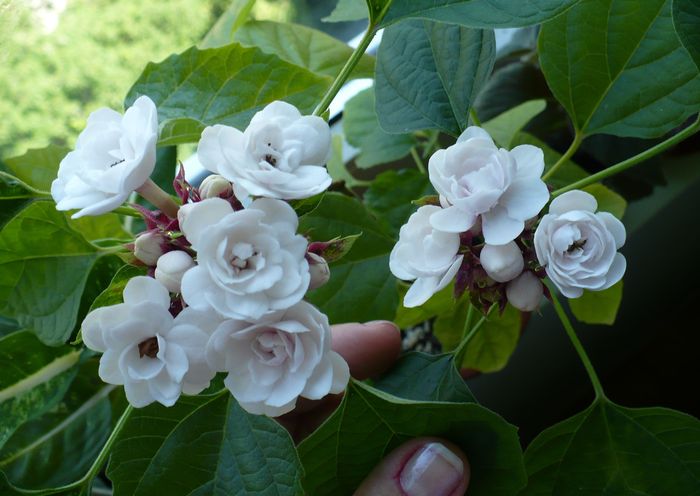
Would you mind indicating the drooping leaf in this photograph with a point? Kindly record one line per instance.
(504, 127)
(362, 131)
(216, 448)
(361, 286)
(34, 378)
(429, 73)
(39, 250)
(348, 10)
(225, 85)
(439, 379)
(598, 307)
(223, 30)
(625, 74)
(686, 19)
(370, 423)
(480, 13)
(302, 46)
(610, 449)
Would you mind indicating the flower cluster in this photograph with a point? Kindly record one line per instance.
(484, 231)
(226, 283)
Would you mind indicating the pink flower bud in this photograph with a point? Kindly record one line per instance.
(502, 262)
(525, 292)
(148, 247)
(215, 186)
(318, 269)
(171, 267)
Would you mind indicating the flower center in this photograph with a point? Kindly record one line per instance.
(148, 347)
(242, 256)
(271, 348)
(576, 245)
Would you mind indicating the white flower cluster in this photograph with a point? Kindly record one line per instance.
(482, 231)
(227, 289)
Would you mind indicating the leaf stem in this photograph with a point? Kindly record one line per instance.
(469, 332)
(159, 198)
(128, 211)
(475, 118)
(590, 370)
(575, 144)
(430, 144)
(418, 161)
(632, 161)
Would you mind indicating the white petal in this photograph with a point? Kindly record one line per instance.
(524, 198)
(573, 200)
(530, 161)
(201, 216)
(109, 370)
(341, 373)
(421, 291)
(452, 220)
(164, 390)
(92, 331)
(474, 132)
(141, 289)
(138, 394)
(319, 383)
(499, 228)
(278, 214)
(616, 228)
(617, 270)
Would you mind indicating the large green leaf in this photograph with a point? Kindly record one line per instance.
(225, 85)
(429, 73)
(306, 47)
(44, 266)
(609, 449)
(370, 423)
(480, 13)
(216, 448)
(15, 196)
(361, 287)
(626, 73)
(59, 447)
(362, 131)
(38, 166)
(348, 10)
(686, 19)
(504, 127)
(221, 33)
(598, 307)
(34, 378)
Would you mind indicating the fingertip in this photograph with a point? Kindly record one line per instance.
(370, 348)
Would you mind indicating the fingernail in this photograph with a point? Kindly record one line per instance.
(432, 471)
(382, 322)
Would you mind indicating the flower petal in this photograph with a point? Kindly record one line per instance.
(499, 228)
(573, 200)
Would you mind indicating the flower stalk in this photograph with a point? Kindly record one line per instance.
(159, 198)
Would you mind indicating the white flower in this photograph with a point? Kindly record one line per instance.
(502, 263)
(525, 292)
(215, 186)
(171, 267)
(578, 247)
(249, 262)
(280, 155)
(425, 254)
(113, 156)
(155, 356)
(475, 178)
(274, 361)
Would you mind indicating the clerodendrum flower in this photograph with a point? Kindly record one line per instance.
(281, 154)
(578, 247)
(475, 179)
(113, 156)
(155, 356)
(281, 357)
(249, 262)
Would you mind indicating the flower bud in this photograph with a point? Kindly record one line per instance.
(318, 269)
(148, 247)
(525, 292)
(502, 262)
(215, 186)
(182, 213)
(171, 267)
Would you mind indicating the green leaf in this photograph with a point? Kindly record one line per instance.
(391, 193)
(307, 205)
(362, 131)
(480, 13)
(598, 307)
(370, 423)
(504, 127)
(221, 33)
(34, 379)
(442, 302)
(336, 166)
(225, 85)
(608, 200)
(439, 379)
(493, 344)
(15, 196)
(348, 10)
(39, 250)
(59, 447)
(626, 74)
(112, 295)
(610, 449)
(686, 19)
(361, 287)
(217, 448)
(302, 46)
(37, 167)
(428, 74)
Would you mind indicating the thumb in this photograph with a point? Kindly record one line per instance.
(420, 467)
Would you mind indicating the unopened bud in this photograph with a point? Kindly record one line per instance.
(525, 292)
(502, 262)
(215, 186)
(318, 268)
(171, 267)
(148, 247)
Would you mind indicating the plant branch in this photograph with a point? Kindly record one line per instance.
(469, 332)
(564, 318)
(632, 161)
(578, 139)
(418, 161)
(159, 198)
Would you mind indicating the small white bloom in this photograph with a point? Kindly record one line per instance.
(155, 356)
(215, 186)
(525, 292)
(274, 361)
(249, 262)
(280, 155)
(578, 247)
(425, 255)
(171, 267)
(319, 270)
(148, 247)
(475, 178)
(502, 263)
(113, 156)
